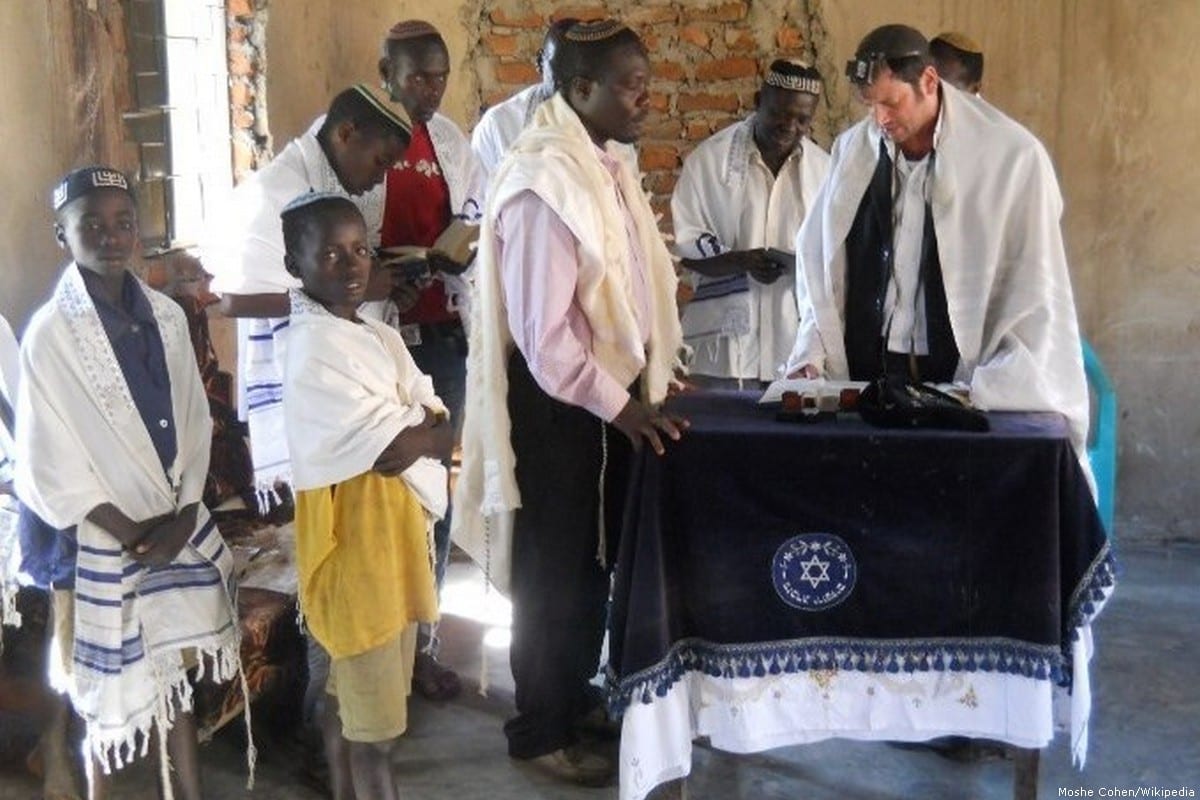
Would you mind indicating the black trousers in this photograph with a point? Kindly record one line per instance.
(559, 589)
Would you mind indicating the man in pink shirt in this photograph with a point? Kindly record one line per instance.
(575, 341)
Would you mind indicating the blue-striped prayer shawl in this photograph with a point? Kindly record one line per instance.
(264, 356)
(83, 443)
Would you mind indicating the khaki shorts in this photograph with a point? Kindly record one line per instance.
(62, 643)
(372, 689)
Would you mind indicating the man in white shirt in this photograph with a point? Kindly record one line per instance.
(347, 151)
(742, 191)
(934, 251)
(502, 123)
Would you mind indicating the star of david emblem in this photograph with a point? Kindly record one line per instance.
(812, 564)
(814, 571)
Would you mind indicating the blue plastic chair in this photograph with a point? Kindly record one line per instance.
(1102, 438)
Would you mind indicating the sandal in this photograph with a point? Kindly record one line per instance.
(433, 680)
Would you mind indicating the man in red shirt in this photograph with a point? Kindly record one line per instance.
(434, 185)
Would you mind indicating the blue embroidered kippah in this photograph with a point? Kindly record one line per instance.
(79, 182)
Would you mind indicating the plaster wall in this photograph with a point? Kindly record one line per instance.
(1127, 141)
(35, 126)
(316, 48)
(62, 85)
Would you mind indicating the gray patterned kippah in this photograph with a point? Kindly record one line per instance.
(795, 76)
(595, 31)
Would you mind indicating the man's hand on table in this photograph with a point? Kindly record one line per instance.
(639, 422)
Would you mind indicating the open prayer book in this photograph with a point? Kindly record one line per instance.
(456, 243)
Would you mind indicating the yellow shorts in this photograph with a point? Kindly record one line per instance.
(372, 689)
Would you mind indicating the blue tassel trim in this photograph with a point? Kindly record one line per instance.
(891, 656)
(1097, 584)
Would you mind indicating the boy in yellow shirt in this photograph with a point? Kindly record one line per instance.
(367, 436)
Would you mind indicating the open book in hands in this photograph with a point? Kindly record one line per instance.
(456, 243)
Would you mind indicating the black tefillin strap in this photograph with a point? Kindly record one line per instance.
(865, 66)
(870, 265)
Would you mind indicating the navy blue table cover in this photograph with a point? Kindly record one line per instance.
(970, 551)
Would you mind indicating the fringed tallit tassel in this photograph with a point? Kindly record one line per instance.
(162, 723)
(431, 547)
(228, 660)
(89, 766)
(267, 496)
(251, 750)
(737, 360)
(602, 538)
(9, 557)
(9, 615)
(484, 681)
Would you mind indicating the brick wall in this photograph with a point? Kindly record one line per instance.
(707, 59)
(247, 29)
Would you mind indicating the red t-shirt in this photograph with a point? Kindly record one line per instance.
(416, 211)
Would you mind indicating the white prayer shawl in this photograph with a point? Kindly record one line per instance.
(556, 159)
(501, 124)
(246, 257)
(996, 208)
(464, 180)
(83, 443)
(459, 166)
(727, 199)
(351, 388)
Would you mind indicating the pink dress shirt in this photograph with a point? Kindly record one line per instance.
(539, 269)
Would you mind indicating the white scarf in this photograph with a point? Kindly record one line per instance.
(84, 443)
(556, 158)
(351, 388)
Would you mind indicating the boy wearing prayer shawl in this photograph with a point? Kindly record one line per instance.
(574, 343)
(113, 436)
(741, 191)
(934, 252)
(367, 436)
